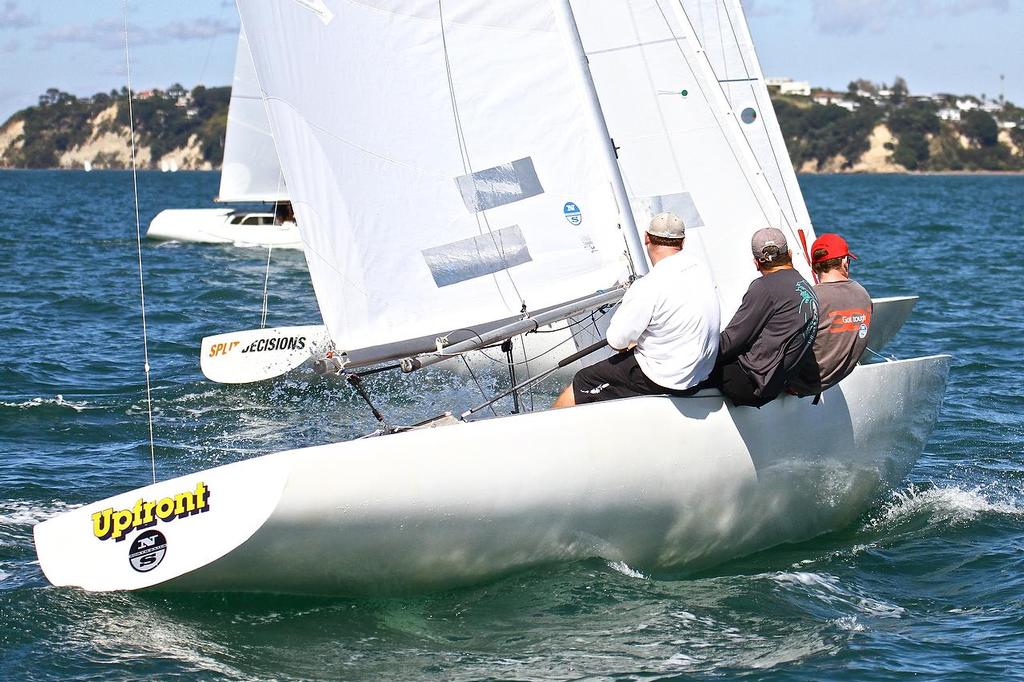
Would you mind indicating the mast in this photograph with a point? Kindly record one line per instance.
(634, 247)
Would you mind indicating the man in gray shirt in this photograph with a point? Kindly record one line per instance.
(844, 322)
(763, 344)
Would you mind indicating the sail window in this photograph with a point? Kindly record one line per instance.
(681, 204)
(477, 256)
(504, 184)
(748, 115)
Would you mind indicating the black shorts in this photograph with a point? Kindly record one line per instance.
(732, 380)
(619, 376)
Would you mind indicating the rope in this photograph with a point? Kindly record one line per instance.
(266, 286)
(467, 164)
(138, 243)
(483, 393)
(879, 355)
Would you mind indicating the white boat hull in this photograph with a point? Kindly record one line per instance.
(217, 226)
(659, 483)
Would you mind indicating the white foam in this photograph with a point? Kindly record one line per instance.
(828, 589)
(849, 623)
(952, 505)
(26, 513)
(38, 402)
(624, 569)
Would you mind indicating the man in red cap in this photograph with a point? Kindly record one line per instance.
(845, 318)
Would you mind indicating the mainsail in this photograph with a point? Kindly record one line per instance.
(681, 147)
(251, 171)
(440, 159)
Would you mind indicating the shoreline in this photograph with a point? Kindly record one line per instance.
(798, 173)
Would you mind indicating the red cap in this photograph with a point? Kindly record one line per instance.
(834, 246)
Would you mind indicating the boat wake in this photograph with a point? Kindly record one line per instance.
(948, 506)
(59, 401)
(827, 589)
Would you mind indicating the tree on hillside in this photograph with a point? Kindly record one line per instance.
(980, 127)
(912, 125)
(899, 91)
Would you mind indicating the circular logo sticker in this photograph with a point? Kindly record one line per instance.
(863, 330)
(572, 213)
(147, 550)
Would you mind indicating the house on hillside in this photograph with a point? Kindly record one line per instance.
(826, 97)
(788, 86)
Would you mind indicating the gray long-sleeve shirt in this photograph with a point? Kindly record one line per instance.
(771, 331)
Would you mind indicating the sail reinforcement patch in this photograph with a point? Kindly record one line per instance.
(477, 256)
(681, 204)
(504, 184)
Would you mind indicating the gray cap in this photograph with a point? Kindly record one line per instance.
(768, 243)
(667, 225)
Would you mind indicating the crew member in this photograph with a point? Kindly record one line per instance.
(763, 344)
(845, 319)
(665, 328)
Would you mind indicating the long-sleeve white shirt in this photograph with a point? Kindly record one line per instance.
(672, 314)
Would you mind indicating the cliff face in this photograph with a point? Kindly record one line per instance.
(107, 144)
(175, 129)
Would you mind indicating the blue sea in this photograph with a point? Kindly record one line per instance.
(928, 584)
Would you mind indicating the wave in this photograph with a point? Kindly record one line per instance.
(59, 401)
(624, 568)
(828, 589)
(28, 512)
(943, 505)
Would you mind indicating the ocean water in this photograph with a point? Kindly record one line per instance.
(928, 583)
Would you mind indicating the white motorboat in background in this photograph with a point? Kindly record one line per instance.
(250, 174)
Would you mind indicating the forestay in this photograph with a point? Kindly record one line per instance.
(251, 171)
(440, 161)
(680, 144)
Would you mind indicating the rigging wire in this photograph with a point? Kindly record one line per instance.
(138, 243)
(762, 118)
(480, 387)
(736, 157)
(266, 286)
(467, 165)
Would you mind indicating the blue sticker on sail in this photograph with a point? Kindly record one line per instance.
(572, 213)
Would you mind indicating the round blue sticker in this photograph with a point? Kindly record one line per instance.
(572, 213)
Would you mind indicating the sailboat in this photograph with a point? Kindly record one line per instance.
(250, 174)
(481, 167)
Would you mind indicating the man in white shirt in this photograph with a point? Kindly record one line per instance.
(666, 329)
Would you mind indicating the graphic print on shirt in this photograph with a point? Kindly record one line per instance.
(852, 320)
(809, 308)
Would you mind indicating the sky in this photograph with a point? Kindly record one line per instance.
(959, 46)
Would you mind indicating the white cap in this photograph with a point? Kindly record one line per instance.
(667, 225)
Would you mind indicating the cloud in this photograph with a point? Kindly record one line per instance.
(12, 17)
(200, 29)
(108, 34)
(760, 8)
(10, 47)
(854, 16)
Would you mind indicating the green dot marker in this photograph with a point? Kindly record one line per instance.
(684, 93)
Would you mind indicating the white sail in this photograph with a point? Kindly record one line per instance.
(441, 165)
(679, 146)
(251, 171)
(723, 32)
